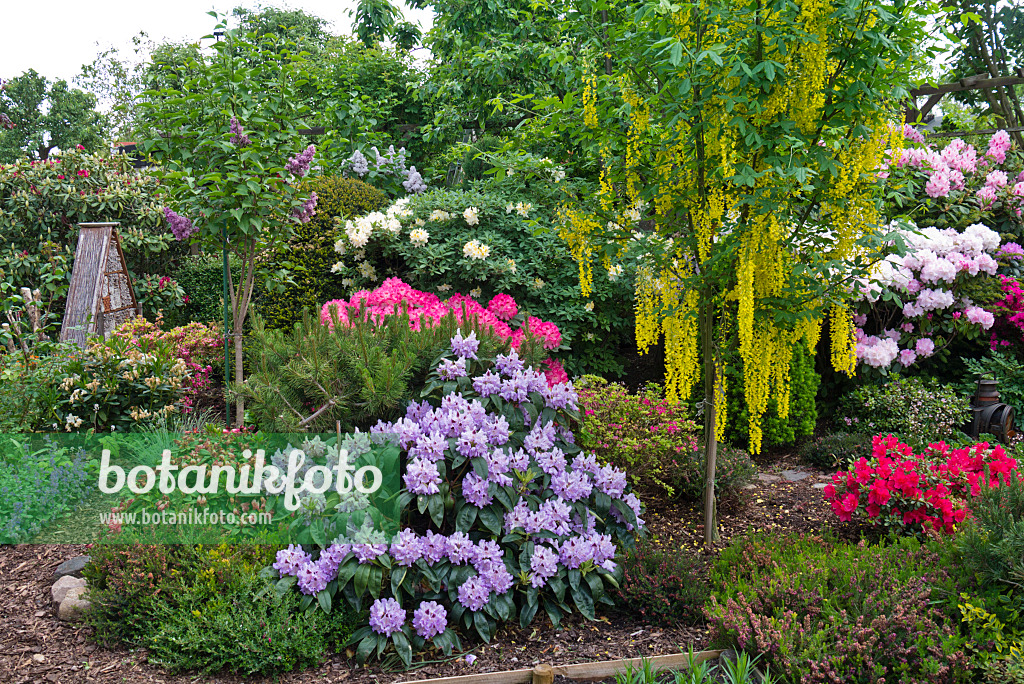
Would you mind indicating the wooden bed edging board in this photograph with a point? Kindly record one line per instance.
(594, 670)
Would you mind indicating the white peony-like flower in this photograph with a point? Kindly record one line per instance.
(367, 270)
(474, 249)
(614, 272)
(470, 214)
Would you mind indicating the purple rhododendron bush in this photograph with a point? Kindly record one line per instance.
(507, 517)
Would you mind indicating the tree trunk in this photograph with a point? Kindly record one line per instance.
(707, 319)
(240, 402)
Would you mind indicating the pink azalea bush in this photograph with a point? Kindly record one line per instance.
(395, 297)
(926, 492)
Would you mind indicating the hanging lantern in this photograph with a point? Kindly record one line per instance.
(989, 415)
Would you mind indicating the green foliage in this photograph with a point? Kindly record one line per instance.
(46, 115)
(201, 278)
(308, 257)
(357, 375)
(822, 611)
(39, 484)
(248, 631)
(836, 449)
(30, 389)
(525, 260)
(992, 540)
(916, 410)
(662, 584)
(206, 609)
(118, 383)
(777, 431)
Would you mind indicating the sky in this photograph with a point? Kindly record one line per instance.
(56, 37)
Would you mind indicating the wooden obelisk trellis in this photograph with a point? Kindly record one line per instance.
(101, 295)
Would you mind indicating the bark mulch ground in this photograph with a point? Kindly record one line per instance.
(36, 648)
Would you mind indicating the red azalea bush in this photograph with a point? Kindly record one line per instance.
(919, 492)
(427, 309)
(1009, 326)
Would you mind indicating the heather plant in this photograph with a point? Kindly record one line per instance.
(925, 492)
(918, 410)
(662, 584)
(38, 485)
(118, 383)
(517, 519)
(486, 242)
(820, 611)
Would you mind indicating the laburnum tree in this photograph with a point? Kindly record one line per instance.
(740, 145)
(228, 146)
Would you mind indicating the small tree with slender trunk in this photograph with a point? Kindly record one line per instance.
(230, 154)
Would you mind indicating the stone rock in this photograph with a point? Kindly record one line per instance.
(750, 486)
(820, 485)
(763, 477)
(39, 657)
(62, 586)
(73, 605)
(72, 566)
(794, 475)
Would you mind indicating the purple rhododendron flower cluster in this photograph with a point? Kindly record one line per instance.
(299, 164)
(386, 616)
(181, 227)
(430, 619)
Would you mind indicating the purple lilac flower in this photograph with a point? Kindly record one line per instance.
(543, 564)
(238, 136)
(181, 227)
(460, 548)
(406, 548)
(435, 547)
(508, 364)
(465, 347)
(571, 485)
(313, 578)
(611, 481)
(429, 447)
(551, 462)
(299, 164)
(307, 211)
(386, 616)
(414, 183)
(475, 490)
(487, 384)
(359, 164)
(472, 444)
(473, 593)
(422, 477)
(290, 560)
(430, 619)
(449, 370)
(367, 553)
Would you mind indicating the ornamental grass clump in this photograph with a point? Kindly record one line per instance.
(820, 611)
(506, 515)
(917, 493)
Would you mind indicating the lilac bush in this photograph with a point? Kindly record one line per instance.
(505, 515)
